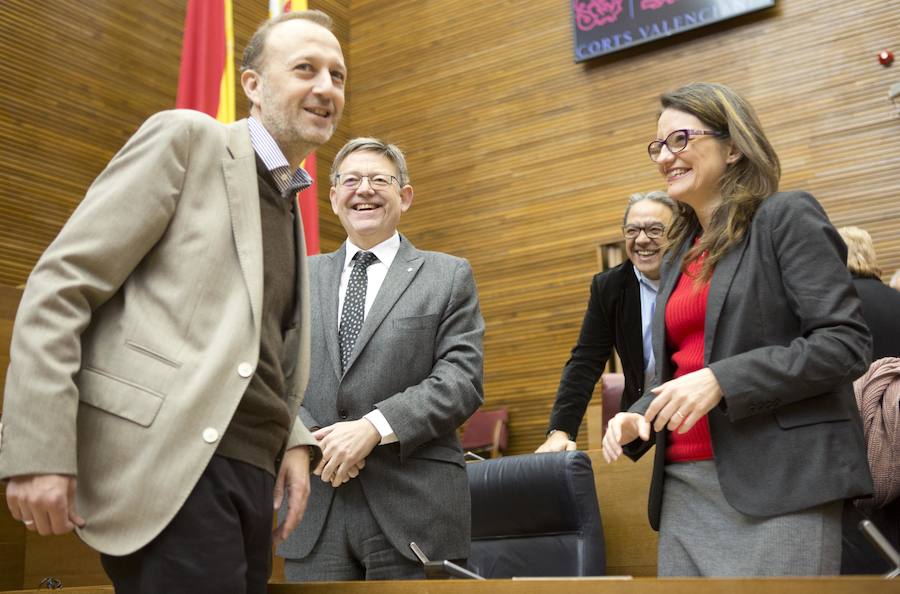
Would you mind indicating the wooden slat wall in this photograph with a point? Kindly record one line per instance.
(522, 159)
(12, 533)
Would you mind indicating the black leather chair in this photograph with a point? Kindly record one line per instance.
(535, 515)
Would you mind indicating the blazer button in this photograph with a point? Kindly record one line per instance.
(210, 435)
(342, 413)
(245, 370)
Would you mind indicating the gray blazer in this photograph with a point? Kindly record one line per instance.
(139, 329)
(785, 339)
(418, 359)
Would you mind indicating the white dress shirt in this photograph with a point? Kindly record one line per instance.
(385, 251)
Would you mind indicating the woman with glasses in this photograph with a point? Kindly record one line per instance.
(757, 337)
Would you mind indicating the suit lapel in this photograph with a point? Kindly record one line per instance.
(719, 286)
(631, 310)
(243, 202)
(329, 283)
(403, 270)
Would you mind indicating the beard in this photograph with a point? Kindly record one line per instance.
(289, 132)
(284, 121)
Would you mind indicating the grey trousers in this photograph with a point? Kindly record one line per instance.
(700, 533)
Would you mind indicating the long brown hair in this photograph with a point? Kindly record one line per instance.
(745, 183)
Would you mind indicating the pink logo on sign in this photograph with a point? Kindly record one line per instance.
(654, 4)
(596, 13)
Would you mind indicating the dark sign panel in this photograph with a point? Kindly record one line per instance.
(605, 26)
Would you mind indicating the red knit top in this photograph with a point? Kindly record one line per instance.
(685, 321)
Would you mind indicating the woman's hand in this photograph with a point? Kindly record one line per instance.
(681, 402)
(623, 428)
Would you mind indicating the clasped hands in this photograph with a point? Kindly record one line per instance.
(678, 405)
(345, 446)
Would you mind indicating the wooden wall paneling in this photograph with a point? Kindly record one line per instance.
(77, 82)
(602, 585)
(78, 79)
(522, 160)
(12, 533)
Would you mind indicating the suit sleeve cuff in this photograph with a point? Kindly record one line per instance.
(301, 436)
(376, 417)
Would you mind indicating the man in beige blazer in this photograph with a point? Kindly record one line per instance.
(161, 347)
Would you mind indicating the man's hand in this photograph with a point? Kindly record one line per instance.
(681, 402)
(623, 428)
(293, 479)
(345, 446)
(558, 442)
(45, 503)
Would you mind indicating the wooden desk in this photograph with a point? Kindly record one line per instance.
(837, 585)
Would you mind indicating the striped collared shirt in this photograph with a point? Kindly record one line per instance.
(265, 146)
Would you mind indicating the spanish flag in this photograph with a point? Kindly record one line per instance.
(206, 79)
(307, 200)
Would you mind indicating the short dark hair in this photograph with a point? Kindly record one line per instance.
(254, 50)
(372, 145)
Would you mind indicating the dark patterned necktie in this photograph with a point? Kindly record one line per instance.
(354, 311)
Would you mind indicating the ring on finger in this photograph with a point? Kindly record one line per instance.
(28, 522)
(678, 414)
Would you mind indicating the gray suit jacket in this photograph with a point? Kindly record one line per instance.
(418, 359)
(785, 339)
(139, 329)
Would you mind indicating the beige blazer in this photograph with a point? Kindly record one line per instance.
(139, 329)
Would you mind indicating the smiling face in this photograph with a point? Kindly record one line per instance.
(646, 253)
(693, 175)
(369, 216)
(298, 90)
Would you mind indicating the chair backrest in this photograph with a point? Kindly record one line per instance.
(535, 515)
(486, 429)
(611, 387)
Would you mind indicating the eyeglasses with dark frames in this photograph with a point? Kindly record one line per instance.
(378, 181)
(677, 141)
(653, 231)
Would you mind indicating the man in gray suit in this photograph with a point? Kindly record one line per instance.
(396, 367)
(161, 347)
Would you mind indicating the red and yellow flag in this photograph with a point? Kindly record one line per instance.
(206, 78)
(307, 200)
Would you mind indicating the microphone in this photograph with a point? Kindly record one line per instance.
(884, 547)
